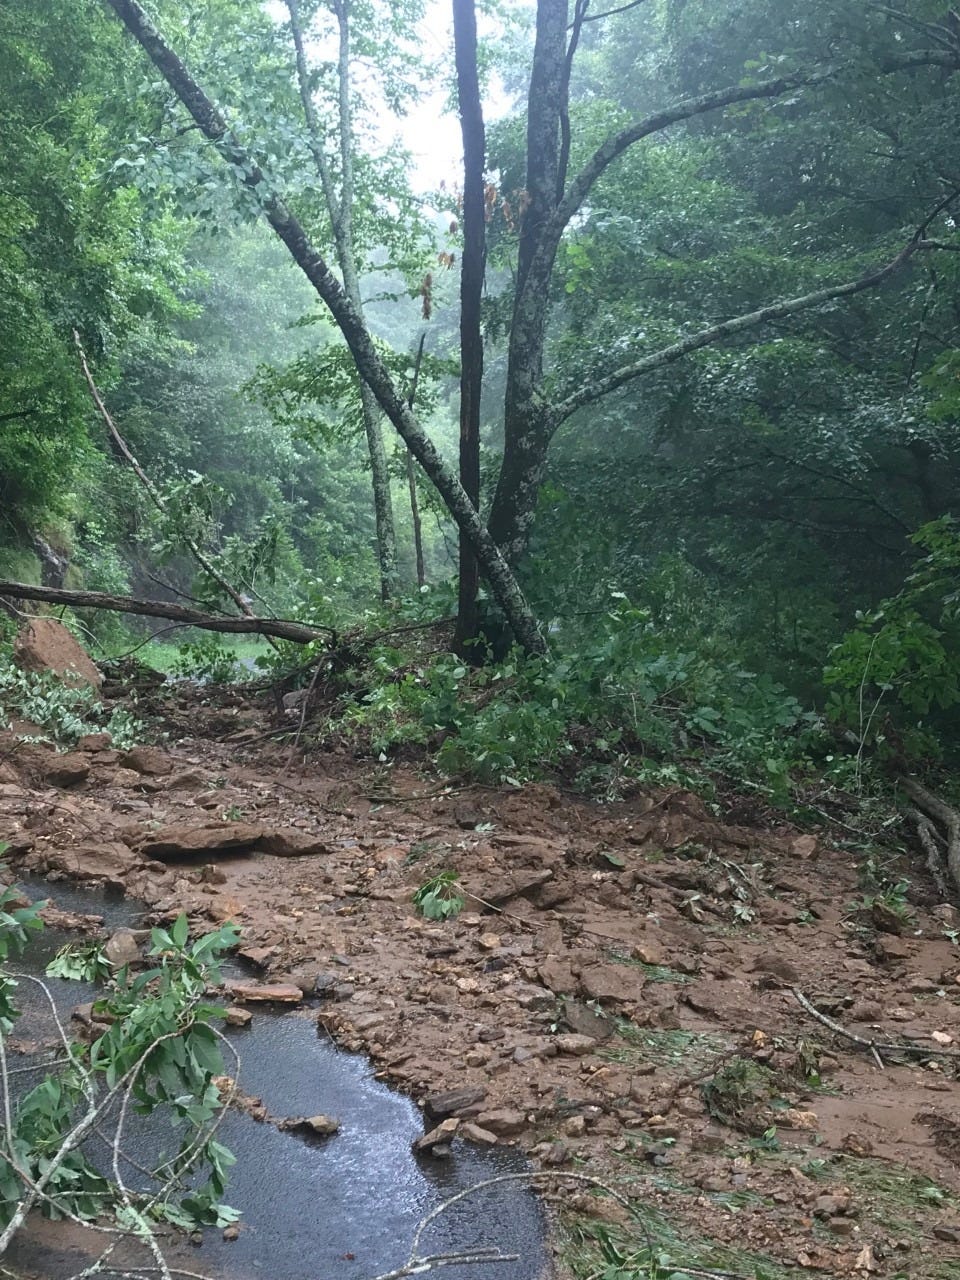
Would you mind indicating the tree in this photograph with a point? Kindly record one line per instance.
(553, 195)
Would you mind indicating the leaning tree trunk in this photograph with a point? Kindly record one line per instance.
(371, 368)
(471, 288)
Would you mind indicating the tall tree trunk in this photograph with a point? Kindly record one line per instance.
(417, 522)
(370, 366)
(471, 288)
(340, 207)
(526, 423)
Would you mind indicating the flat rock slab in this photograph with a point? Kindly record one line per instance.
(184, 839)
(290, 842)
(264, 993)
(438, 1106)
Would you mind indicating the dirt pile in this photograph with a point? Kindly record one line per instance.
(639, 990)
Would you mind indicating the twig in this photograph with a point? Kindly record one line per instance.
(873, 1047)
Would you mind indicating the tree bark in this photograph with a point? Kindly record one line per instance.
(278, 628)
(526, 434)
(471, 288)
(371, 368)
(340, 209)
(412, 474)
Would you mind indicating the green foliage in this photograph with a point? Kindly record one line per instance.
(61, 712)
(159, 1054)
(437, 898)
(80, 962)
(619, 700)
(895, 676)
(207, 659)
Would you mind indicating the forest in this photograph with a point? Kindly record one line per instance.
(513, 392)
(671, 353)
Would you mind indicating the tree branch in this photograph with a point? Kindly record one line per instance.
(618, 143)
(591, 391)
(281, 628)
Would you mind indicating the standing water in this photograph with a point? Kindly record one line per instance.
(345, 1208)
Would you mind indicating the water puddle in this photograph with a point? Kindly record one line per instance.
(343, 1209)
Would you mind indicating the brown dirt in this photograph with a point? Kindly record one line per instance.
(639, 957)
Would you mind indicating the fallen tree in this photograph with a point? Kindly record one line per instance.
(274, 628)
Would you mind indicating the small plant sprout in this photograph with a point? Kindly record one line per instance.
(437, 898)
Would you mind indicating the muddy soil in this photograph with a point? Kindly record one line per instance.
(623, 994)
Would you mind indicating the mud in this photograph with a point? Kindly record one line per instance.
(610, 961)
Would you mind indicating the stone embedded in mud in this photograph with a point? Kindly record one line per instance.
(289, 842)
(181, 839)
(514, 885)
(558, 977)
(505, 1123)
(585, 1021)
(438, 1106)
(149, 760)
(68, 770)
(44, 644)
(574, 1045)
(268, 993)
(109, 861)
(612, 982)
(777, 966)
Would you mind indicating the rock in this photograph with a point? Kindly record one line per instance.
(439, 1106)
(271, 993)
(437, 1139)
(473, 1133)
(702, 997)
(122, 948)
(575, 1126)
(774, 911)
(865, 1011)
(148, 760)
(777, 966)
(182, 839)
(316, 1126)
(234, 1016)
(95, 742)
(804, 846)
(648, 953)
(575, 1045)
(582, 1020)
(231, 1231)
(612, 982)
(885, 918)
(515, 885)
(109, 861)
(289, 842)
(558, 977)
(44, 644)
(68, 770)
(466, 817)
(890, 949)
(504, 1123)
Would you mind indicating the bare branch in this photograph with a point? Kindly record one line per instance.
(280, 628)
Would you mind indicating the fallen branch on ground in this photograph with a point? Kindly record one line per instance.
(874, 1047)
(280, 628)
